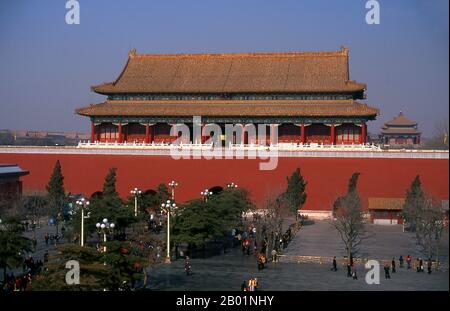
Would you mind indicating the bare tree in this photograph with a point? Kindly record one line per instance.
(440, 139)
(349, 219)
(272, 221)
(429, 229)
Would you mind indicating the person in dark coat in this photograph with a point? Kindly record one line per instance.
(400, 260)
(349, 270)
(244, 286)
(386, 271)
(334, 268)
(393, 265)
(429, 265)
(421, 265)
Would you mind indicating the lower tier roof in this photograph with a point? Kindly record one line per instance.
(230, 108)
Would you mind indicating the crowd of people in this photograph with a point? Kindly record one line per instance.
(389, 267)
(249, 244)
(17, 283)
(53, 238)
(23, 282)
(250, 285)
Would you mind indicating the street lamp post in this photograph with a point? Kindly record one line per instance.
(173, 184)
(136, 192)
(105, 227)
(232, 185)
(168, 206)
(205, 194)
(82, 203)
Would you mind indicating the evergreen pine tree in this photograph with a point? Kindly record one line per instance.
(163, 193)
(353, 182)
(295, 195)
(109, 186)
(55, 190)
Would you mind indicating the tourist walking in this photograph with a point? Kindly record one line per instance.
(349, 270)
(187, 266)
(393, 265)
(46, 238)
(400, 260)
(354, 276)
(408, 262)
(421, 269)
(429, 265)
(274, 255)
(386, 271)
(244, 286)
(334, 268)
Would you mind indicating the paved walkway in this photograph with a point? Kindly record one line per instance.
(382, 242)
(227, 272)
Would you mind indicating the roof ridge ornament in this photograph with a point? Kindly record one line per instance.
(132, 52)
(344, 49)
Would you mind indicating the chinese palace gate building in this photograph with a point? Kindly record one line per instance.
(308, 95)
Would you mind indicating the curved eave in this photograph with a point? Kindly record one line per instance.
(110, 88)
(344, 108)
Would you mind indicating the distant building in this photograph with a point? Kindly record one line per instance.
(10, 184)
(386, 211)
(400, 131)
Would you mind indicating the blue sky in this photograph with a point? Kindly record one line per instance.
(47, 66)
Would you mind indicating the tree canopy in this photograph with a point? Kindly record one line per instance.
(198, 221)
(98, 271)
(13, 244)
(108, 205)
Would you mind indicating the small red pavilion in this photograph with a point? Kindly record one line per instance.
(400, 131)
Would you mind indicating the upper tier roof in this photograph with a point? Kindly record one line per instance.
(401, 120)
(234, 72)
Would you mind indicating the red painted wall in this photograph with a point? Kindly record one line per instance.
(327, 177)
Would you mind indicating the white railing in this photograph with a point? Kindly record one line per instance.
(193, 146)
(280, 150)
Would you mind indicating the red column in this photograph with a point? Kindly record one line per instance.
(202, 138)
(302, 133)
(153, 133)
(362, 139)
(243, 134)
(333, 139)
(92, 132)
(120, 132)
(365, 133)
(147, 133)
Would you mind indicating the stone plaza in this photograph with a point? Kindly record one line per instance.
(229, 270)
